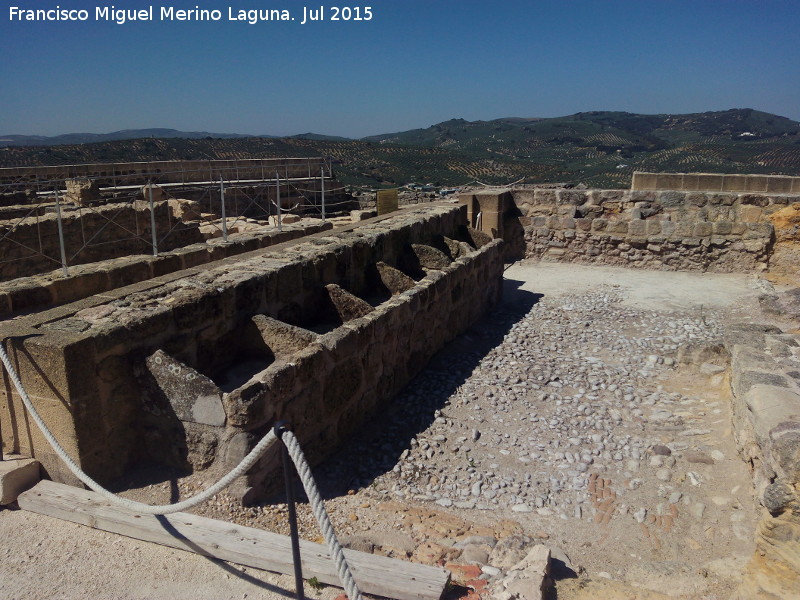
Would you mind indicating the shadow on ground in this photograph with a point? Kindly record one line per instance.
(380, 442)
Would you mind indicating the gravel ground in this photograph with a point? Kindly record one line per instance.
(563, 418)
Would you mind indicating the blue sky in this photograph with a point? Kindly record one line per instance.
(414, 64)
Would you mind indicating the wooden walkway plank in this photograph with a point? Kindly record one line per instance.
(265, 550)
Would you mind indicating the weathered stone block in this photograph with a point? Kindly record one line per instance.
(637, 228)
(82, 190)
(709, 182)
(750, 214)
(723, 228)
(653, 227)
(779, 185)
(644, 181)
(756, 183)
(669, 181)
(733, 183)
(702, 229)
(17, 474)
(192, 395)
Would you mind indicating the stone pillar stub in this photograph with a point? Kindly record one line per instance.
(387, 201)
(492, 207)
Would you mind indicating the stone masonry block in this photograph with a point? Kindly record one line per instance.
(17, 474)
(750, 214)
(667, 228)
(691, 182)
(669, 181)
(637, 228)
(620, 227)
(702, 229)
(653, 227)
(644, 181)
(756, 183)
(733, 183)
(779, 185)
(710, 183)
(723, 228)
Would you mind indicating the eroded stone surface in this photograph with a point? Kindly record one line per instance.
(282, 338)
(192, 395)
(347, 305)
(395, 280)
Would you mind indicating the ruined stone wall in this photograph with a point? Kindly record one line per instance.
(766, 418)
(672, 230)
(192, 371)
(40, 292)
(31, 245)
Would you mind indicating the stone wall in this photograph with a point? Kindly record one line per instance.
(31, 245)
(191, 371)
(46, 290)
(716, 182)
(672, 230)
(765, 380)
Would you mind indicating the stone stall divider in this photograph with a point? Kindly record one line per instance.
(191, 371)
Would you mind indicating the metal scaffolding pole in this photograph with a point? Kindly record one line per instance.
(322, 182)
(222, 209)
(153, 219)
(278, 200)
(61, 235)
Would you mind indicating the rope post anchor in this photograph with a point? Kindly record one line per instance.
(288, 480)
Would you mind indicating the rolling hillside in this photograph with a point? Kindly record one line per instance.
(596, 148)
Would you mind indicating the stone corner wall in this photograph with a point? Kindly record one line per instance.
(670, 230)
(765, 381)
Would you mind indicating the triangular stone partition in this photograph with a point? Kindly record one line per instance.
(458, 248)
(395, 280)
(347, 306)
(430, 257)
(282, 338)
(192, 395)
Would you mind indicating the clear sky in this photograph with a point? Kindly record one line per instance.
(415, 63)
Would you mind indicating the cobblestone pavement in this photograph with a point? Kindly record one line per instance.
(569, 417)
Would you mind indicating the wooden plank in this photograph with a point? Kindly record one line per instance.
(243, 545)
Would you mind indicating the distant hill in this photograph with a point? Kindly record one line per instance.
(598, 148)
(125, 134)
(321, 137)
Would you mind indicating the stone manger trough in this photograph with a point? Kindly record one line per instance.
(192, 369)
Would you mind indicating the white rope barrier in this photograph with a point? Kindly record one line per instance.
(318, 508)
(132, 505)
(288, 438)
